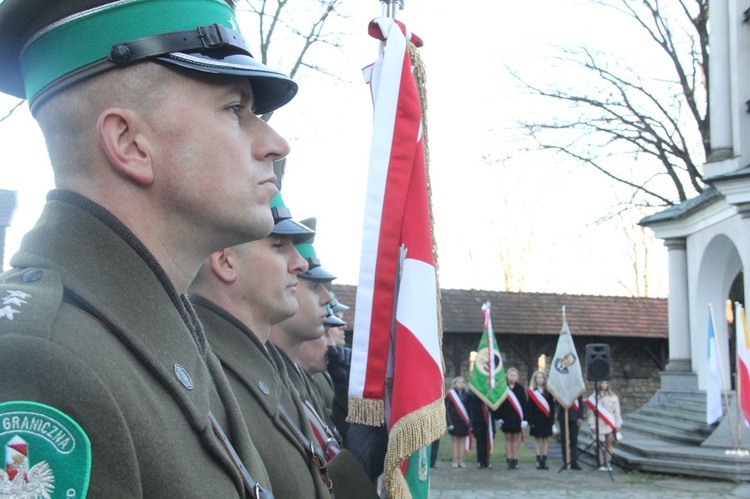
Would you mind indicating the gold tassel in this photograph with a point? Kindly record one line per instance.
(410, 433)
(420, 78)
(369, 412)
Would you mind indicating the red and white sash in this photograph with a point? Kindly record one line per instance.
(538, 398)
(515, 403)
(455, 399)
(490, 433)
(604, 415)
(576, 407)
(322, 433)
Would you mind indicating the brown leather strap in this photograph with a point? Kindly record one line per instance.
(316, 453)
(253, 488)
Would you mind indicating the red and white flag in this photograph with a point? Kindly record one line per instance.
(396, 339)
(743, 362)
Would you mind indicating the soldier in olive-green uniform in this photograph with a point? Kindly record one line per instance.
(307, 324)
(314, 361)
(108, 387)
(239, 294)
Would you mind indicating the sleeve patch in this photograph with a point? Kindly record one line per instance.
(47, 454)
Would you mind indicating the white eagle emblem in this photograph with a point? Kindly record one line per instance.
(38, 486)
(16, 298)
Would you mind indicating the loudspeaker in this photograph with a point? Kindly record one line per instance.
(597, 362)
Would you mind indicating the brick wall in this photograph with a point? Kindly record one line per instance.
(634, 362)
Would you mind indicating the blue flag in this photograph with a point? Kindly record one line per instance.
(713, 376)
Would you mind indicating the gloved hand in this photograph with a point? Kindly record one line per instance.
(339, 362)
(524, 424)
(450, 427)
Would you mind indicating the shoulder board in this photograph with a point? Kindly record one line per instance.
(29, 301)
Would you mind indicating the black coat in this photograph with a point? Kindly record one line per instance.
(453, 416)
(573, 414)
(540, 423)
(507, 413)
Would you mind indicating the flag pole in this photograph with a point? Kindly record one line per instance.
(567, 417)
(389, 7)
(738, 316)
(721, 376)
(567, 439)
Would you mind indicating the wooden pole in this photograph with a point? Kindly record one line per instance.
(567, 439)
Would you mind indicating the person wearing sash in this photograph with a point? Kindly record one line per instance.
(459, 421)
(483, 428)
(541, 415)
(607, 404)
(511, 417)
(575, 420)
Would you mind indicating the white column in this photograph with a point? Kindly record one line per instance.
(719, 75)
(679, 319)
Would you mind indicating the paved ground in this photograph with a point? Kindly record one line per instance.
(470, 483)
(589, 483)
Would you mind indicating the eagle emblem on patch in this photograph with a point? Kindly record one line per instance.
(14, 298)
(47, 454)
(19, 479)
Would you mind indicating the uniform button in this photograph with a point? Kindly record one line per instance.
(32, 275)
(183, 376)
(264, 388)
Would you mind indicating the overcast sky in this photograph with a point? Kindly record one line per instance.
(484, 207)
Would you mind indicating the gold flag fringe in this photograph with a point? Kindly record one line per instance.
(410, 433)
(425, 425)
(369, 412)
(420, 78)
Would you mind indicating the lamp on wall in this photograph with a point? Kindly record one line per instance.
(472, 359)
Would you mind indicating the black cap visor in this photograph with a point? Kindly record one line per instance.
(271, 89)
(333, 321)
(298, 232)
(318, 274)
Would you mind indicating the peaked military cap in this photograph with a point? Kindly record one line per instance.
(48, 45)
(332, 320)
(314, 272)
(285, 226)
(337, 306)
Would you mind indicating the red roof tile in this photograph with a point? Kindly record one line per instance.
(541, 313)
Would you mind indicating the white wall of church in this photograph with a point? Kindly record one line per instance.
(715, 255)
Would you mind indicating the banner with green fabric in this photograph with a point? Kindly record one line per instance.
(487, 378)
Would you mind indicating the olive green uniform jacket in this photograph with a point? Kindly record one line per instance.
(323, 386)
(100, 337)
(260, 391)
(347, 473)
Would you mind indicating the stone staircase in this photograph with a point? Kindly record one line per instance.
(670, 435)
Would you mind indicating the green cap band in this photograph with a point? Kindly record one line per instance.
(306, 250)
(278, 201)
(80, 40)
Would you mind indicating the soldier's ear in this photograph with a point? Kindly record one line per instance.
(126, 146)
(223, 263)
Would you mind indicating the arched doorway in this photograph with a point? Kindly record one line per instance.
(720, 278)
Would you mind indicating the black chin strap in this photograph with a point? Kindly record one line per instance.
(211, 37)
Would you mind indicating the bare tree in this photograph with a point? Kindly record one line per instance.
(301, 23)
(639, 246)
(648, 132)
